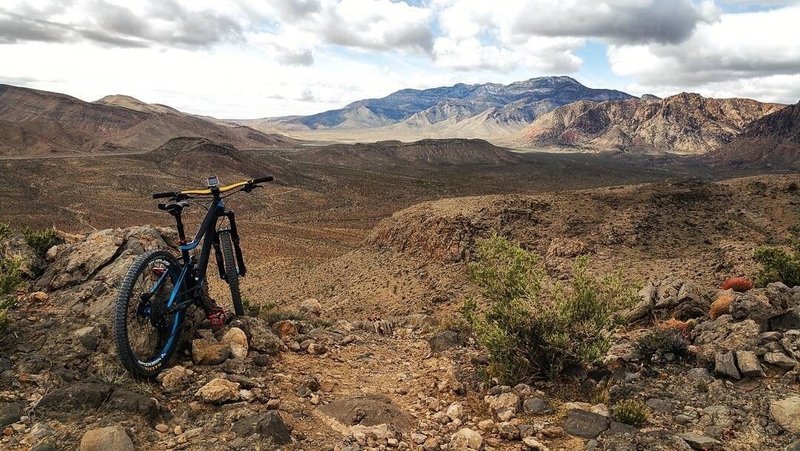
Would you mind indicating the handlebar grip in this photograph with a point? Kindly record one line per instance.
(263, 179)
(163, 195)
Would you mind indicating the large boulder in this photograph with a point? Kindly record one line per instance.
(259, 335)
(724, 335)
(106, 439)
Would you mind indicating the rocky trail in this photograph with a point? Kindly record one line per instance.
(301, 378)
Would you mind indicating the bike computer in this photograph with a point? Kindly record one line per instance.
(213, 181)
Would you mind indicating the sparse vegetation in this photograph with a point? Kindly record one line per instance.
(631, 412)
(41, 240)
(10, 280)
(778, 265)
(662, 341)
(535, 326)
(721, 305)
(5, 230)
(271, 313)
(740, 284)
(676, 324)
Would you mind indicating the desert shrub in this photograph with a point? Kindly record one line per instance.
(533, 325)
(10, 276)
(662, 341)
(41, 240)
(778, 265)
(740, 284)
(676, 324)
(721, 305)
(631, 412)
(5, 230)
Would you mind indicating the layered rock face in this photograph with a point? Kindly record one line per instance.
(684, 123)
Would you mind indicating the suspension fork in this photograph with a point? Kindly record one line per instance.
(235, 237)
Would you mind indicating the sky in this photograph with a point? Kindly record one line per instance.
(264, 58)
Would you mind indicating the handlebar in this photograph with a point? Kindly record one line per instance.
(247, 185)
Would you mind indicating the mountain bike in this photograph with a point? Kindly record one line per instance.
(159, 286)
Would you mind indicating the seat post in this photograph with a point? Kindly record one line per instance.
(179, 222)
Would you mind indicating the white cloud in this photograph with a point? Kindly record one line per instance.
(753, 52)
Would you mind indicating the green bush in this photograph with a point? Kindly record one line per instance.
(662, 341)
(270, 312)
(42, 240)
(777, 265)
(535, 326)
(5, 230)
(10, 276)
(631, 412)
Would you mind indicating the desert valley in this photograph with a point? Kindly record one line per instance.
(361, 258)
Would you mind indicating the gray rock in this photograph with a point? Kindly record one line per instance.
(75, 397)
(133, 402)
(660, 405)
(268, 425)
(446, 340)
(105, 439)
(785, 321)
(261, 338)
(786, 412)
(780, 360)
(725, 335)
(503, 405)
(748, 364)
(699, 374)
(537, 406)
(769, 336)
(87, 337)
(44, 446)
(697, 441)
(726, 365)
(581, 423)
(9, 413)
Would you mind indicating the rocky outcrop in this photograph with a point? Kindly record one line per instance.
(684, 124)
(85, 274)
(773, 140)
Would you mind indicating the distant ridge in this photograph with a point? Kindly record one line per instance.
(485, 107)
(685, 124)
(773, 140)
(34, 122)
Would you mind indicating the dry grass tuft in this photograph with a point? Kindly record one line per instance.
(721, 305)
(740, 284)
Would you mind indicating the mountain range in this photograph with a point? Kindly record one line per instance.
(546, 112)
(36, 122)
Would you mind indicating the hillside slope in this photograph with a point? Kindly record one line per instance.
(684, 124)
(36, 122)
(773, 140)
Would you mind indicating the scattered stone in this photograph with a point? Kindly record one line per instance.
(161, 427)
(236, 339)
(581, 423)
(786, 412)
(75, 397)
(697, 441)
(260, 337)
(780, 360)
(749, 364)
(534, 445)
(87, 336)
(446, 340)
(107, 438)
(726, 365)
(537, 406)
(699, 375)
(130, 401)
(38, 296)
(785, 321)
(262, 360)
(10, 412)
(508, 431)
(285, 329)
(316, 348)
(175, 379)
(455, 411)
(465, 439)
(269, 425)
(367, 410)
(218, 391)
(503, 405)
(311, 306)
(205, 352)
(431, 444)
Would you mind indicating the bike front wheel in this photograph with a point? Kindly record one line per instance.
(231, 270)
(146, 335)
